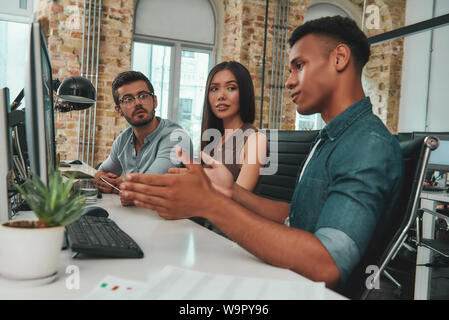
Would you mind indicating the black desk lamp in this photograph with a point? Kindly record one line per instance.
(74, 93)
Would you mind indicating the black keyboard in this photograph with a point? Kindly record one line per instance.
(100, 236)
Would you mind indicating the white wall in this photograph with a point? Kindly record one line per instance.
(419, 96)
(438, 115)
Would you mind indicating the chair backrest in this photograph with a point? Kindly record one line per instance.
(293, 149)
(392, 231)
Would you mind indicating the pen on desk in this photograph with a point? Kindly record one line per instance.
(110, 184)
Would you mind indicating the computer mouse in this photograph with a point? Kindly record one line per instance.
(96, 212)
(75, 162)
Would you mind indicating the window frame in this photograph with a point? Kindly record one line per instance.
(175, 60)
(20, 15)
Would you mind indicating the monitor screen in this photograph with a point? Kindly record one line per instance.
(48, 105)
(38, 92)
(439, 159)
(5, 151)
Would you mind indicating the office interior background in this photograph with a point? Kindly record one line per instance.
(176, 42)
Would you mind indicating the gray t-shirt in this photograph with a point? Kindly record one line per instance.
(156, 155)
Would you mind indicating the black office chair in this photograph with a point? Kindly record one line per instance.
(293, 149)
(390, 235)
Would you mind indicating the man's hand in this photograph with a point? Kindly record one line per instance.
(126, 202)
(111, 178)
(173, 196)
(221, 178)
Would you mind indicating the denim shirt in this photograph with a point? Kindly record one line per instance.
(351, 182)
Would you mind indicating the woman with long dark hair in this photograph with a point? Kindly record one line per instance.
(228, 114)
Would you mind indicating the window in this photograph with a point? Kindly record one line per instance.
(14, 16)
(176, 54)
(13, 40)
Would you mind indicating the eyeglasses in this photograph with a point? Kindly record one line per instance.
(129, 99)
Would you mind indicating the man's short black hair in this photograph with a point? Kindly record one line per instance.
(344, 30)
(126, 78)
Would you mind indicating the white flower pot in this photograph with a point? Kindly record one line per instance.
(29, 253)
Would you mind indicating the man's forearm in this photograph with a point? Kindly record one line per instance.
(274, 210)
(275, 243)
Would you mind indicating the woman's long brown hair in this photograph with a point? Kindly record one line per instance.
(246, 98)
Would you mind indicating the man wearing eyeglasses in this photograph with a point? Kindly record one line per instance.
(145, 146)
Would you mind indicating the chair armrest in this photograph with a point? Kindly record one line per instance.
(436, 214)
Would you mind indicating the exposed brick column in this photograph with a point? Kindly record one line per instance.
(383, 72)
(243, 41)
(64, 40)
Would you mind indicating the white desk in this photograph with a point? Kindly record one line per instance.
(423, 275)
(180, 243)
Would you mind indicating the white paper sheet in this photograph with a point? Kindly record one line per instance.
(173, 283)
(183, 284)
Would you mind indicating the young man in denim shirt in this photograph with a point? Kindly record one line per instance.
(349, 183)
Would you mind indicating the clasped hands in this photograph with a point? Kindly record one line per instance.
(183, 192)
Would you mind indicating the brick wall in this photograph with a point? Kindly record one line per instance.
(382, 75)
(241, 39)
(64, 41)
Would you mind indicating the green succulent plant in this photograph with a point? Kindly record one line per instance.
(55, 205)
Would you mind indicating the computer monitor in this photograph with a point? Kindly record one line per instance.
(39, 121)
(6, 152)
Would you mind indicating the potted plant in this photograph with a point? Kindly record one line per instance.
(30, 249)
